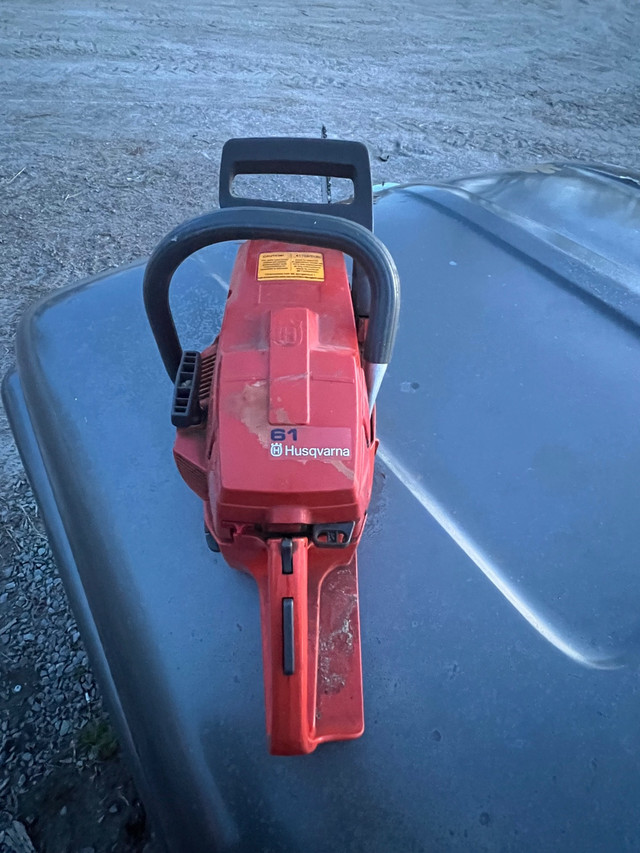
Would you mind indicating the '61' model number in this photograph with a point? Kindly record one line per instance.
(280, 434)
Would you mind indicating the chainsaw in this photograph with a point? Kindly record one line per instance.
(276, 418)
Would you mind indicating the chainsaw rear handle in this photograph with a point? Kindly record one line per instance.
(328, 158)
(287, 226)
(301, 710)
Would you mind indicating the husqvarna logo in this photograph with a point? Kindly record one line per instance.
(288, 334)
(313, 452)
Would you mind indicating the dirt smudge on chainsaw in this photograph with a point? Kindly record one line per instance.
(339, 465)
(250, 407)
(338, 627)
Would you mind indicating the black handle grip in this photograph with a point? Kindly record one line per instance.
(251, 223)
(329, 158)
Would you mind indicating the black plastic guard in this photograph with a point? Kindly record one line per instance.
(185, 408)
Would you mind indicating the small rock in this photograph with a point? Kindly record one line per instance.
(26, 756)
(10, 586)
(63, 811)
(13, 836)
(3, 598)
(113, 809)
(65, 725)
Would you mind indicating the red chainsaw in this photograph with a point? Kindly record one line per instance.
(276, 418)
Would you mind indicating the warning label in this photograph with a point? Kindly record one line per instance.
(290, 266)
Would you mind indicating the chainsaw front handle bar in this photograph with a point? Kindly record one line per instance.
(287, 226)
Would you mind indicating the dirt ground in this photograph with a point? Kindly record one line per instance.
(112, 117)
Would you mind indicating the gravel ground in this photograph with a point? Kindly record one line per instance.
(112, 117)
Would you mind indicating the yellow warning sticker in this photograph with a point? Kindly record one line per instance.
(291, 266)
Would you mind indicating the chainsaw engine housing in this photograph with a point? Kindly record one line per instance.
(289, 449)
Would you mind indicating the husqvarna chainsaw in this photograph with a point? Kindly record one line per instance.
(276, 418)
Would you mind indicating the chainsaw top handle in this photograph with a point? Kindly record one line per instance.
(287, 226)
